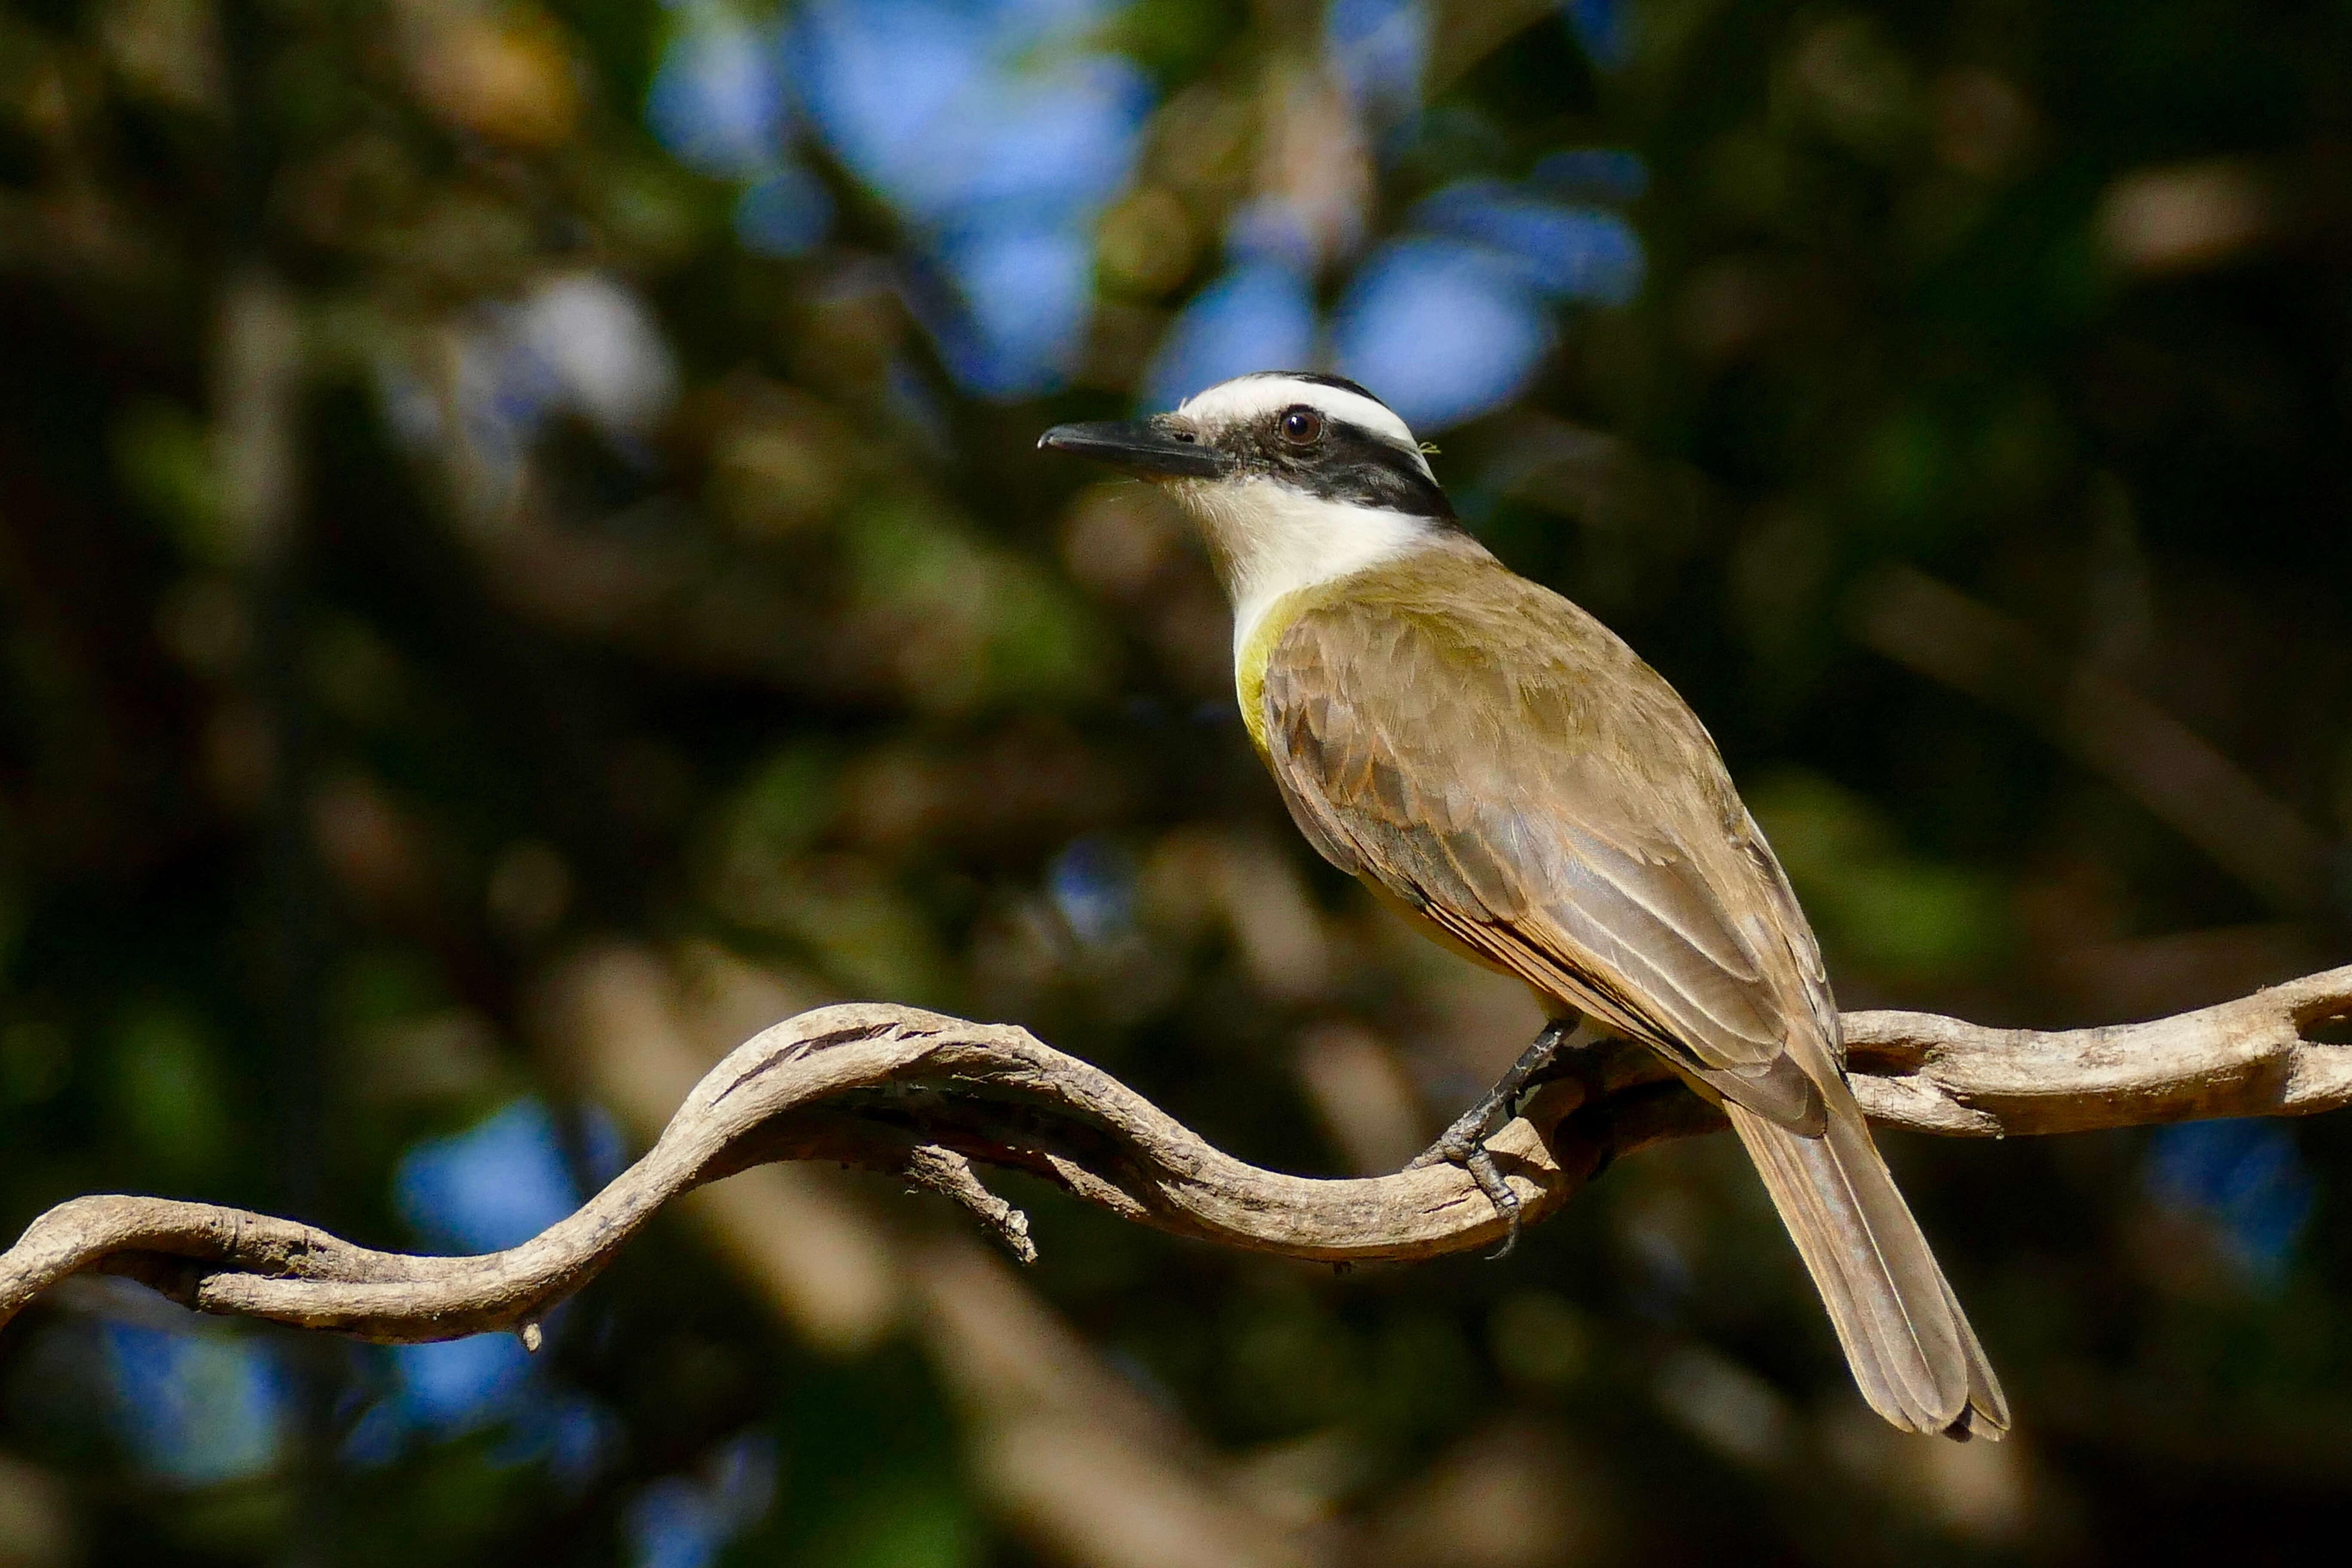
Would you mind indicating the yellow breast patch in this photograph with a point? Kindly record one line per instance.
(1250, 658)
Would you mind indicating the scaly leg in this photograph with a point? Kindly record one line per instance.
(1464, 1142)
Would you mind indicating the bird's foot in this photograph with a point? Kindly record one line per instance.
(1471, 1153)
(1464, 1142)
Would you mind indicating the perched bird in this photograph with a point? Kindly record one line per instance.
(1499, 765)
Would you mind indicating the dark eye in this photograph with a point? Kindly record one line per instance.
(1300, 426)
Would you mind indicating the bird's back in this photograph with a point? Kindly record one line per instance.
(1500, 760)
(1497, 760)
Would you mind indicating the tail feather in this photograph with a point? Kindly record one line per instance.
(1915, 1358)
(1987, 1416)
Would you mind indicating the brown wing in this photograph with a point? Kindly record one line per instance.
(1496, 758)
(1515, 773)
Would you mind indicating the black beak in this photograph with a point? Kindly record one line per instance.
(1140, 446)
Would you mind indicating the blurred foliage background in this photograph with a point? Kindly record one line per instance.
(521, 561)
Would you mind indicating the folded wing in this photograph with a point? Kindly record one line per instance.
(1472, 769)
(1501, 763)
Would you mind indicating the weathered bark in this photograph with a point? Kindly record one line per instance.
(932, 1097)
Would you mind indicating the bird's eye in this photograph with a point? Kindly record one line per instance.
(1300, 426)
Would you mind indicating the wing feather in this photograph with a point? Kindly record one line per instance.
(1475, 771)
(1493, 757)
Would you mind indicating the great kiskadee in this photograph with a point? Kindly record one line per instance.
(1502, 768)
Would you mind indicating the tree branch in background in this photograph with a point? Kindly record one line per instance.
(1941, 633)
(929, 1098)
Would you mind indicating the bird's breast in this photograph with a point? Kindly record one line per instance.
(1254, 650)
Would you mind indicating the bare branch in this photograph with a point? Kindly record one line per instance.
(1943, 634)
(929, 1098)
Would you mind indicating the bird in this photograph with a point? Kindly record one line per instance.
(1499, 766)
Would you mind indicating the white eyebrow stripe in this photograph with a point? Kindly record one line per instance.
(1250, 397)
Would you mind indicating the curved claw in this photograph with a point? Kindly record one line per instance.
(1481, 1166)
(1464, 1142)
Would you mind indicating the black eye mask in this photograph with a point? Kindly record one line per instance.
(1349, 464)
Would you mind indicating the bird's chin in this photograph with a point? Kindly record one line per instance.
(1189, 494)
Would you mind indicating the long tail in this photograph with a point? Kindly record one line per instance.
(1910, 1345)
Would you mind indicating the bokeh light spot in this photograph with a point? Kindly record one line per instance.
(1258, 316)
(1443, 332)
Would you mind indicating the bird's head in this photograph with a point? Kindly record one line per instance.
(1294, 477)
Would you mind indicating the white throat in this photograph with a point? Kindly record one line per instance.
(1269, 542)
